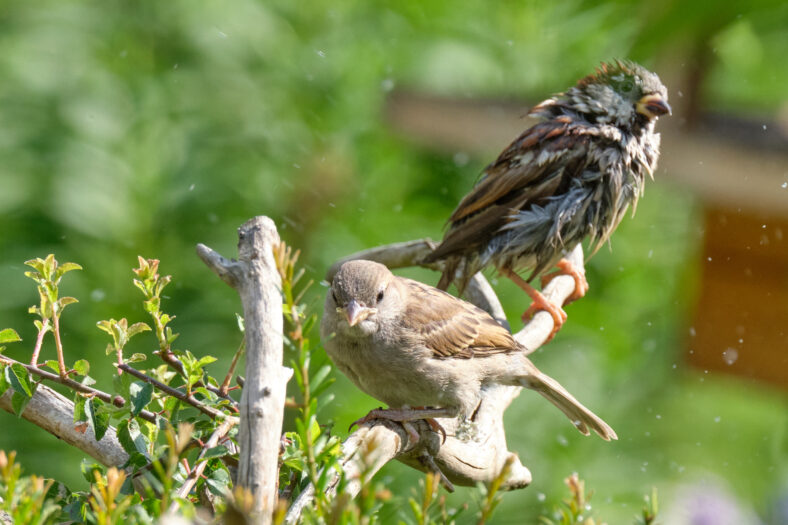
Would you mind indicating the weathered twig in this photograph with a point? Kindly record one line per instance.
(116, 400)
(199, 464)
(255, 278)
(55, 414)
(174, 392)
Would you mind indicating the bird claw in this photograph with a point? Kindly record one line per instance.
(403, 417)
(558, 314)
(565, 267)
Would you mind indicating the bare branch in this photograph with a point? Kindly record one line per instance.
(55, 414)
(255, 278)
(174, 392)
(199, 464)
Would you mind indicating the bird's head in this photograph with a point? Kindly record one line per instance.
(620, 93)
(358, 292)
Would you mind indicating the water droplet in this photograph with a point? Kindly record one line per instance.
(717, 419)
(387, 84)
(784, 185)
(321, 54)
(541, 496)
(460, 159)
(650, 253)
(97, 295)
(730, 355)
(708, 259)
(562, 440)
(191, 188)
(659, 416)
(764, 127)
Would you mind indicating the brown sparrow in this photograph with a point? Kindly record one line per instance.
(411, 345)
(571, 176)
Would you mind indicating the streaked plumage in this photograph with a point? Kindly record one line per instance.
(571, 176)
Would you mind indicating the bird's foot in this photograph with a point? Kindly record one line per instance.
(540, 302)
(565, 267)
(406, 415)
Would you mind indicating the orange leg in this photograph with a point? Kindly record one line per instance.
(567, 268)
(540, 302)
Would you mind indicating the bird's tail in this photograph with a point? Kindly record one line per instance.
(582, 417)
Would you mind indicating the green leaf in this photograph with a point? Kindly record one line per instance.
(51, 363)
(131, 438)
(137, 460)
(137, 328)
(82, 367)
(219, 482)
(19, 402)
(4, 383)
(88, 468)
(9, 335)
(136, 358)
(65, 267)
(99, 419)
(318, 377)
(49, 266)
(207, 360)
(37, 264)
(240, 321)
(215, 452)
(79, 408)
(65, 301)
(140, 394)
(17, 375)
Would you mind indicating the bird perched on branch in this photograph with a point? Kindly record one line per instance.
(426, 353)
(571, 176)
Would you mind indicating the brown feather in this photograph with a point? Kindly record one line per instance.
(452, 328)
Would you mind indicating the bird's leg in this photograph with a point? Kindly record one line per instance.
(405, 415)
(540, 302)
(565, 267)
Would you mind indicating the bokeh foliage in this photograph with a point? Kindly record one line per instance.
(142, 128)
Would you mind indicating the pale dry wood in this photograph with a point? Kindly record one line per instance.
(55, 414)
(255, 277)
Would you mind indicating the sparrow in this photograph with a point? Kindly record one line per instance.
(570, 177)
(426, 353)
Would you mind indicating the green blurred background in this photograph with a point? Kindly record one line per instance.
(143, 128)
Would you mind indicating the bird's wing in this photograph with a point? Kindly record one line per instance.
(450, 327)
(540, 163)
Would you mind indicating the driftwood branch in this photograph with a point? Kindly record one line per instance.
(254, 276)
(55, 414)
(472, 452)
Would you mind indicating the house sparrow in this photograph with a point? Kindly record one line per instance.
(571, 176)
(411, 345)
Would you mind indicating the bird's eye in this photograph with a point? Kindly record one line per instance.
(628, 85)
(380, 296)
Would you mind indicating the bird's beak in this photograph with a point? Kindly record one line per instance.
(355, 313)
(653, 106)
